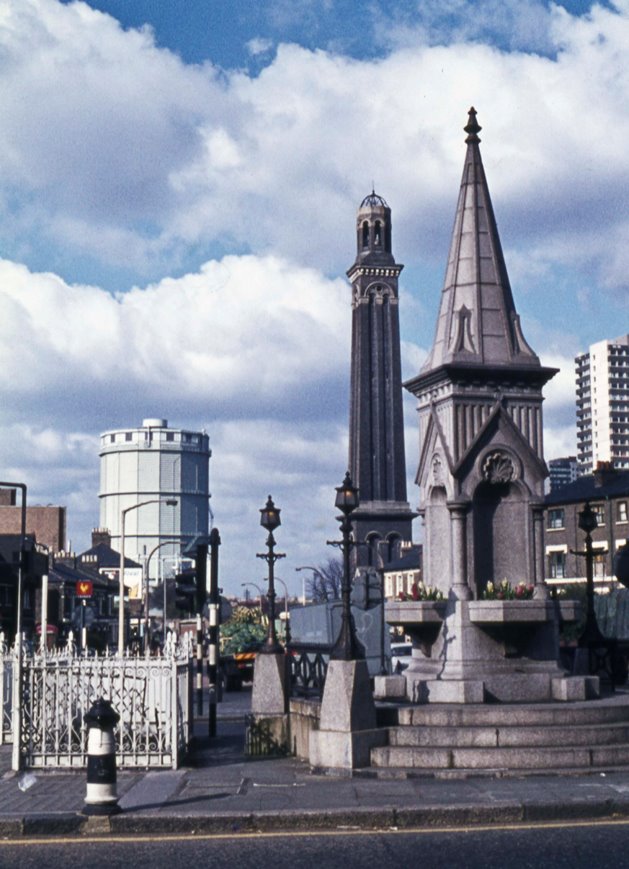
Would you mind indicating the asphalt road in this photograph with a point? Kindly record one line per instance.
(573, 846)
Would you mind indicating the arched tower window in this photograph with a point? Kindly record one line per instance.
(392, 547)
(373, 541)
(365, 233)
(377, 236)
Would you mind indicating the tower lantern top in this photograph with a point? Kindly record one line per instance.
(373, 230)
(373, 201)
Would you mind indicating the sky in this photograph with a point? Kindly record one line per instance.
(178, 190)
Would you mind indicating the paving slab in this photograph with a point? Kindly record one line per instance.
(219, 790)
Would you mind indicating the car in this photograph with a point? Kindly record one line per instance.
(400, 656)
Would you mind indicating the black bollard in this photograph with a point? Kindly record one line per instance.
(101, 797)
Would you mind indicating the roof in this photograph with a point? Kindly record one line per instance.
(411, 560)
(108, 557)
(373, 201)
(613, 485)
(477, 323)
(61, 572)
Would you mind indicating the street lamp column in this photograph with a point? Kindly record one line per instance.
(286, 616)
(170, 502)
(591, 632)
(270, 520)
(16, 706)
(20, 566)
(346, 647)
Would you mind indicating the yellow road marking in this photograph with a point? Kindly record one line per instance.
(340, 831)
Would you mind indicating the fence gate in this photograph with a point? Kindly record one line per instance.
(151, 695)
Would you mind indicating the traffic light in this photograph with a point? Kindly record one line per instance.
(185, 590)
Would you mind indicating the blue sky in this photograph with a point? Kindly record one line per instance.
(178, 188)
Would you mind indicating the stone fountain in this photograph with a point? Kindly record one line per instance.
(495, 634)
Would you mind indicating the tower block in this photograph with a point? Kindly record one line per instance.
(376, 452)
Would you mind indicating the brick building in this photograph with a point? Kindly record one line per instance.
(607, 491)
(46, 524)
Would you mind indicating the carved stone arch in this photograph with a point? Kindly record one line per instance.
(379, 290)
(390, 546)
(437, 560)
(373, 541)
(365, 234)
(501, 532)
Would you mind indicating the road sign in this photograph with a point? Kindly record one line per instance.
(83, 617)
(84, 588)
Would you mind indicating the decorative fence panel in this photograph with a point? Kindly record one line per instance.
(6, 693)
(309, 666)
(151, 695)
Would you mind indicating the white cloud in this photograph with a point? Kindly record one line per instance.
(255, 350)
(116, 148)
(523, 24)
(244, 327)
(113, 151)
(259, 46)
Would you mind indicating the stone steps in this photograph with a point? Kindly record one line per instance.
(608, 710)
(514, 759)
(503, 739)
(508, 737)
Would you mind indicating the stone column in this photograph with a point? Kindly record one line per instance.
(458, 536)
(541, 589)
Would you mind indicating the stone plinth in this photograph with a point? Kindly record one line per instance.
(389, 687)
(268, 726)
(271, 684)
(347, 726)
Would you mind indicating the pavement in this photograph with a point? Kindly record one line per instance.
(220, 791)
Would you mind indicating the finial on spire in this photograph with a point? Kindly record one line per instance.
(472, 128)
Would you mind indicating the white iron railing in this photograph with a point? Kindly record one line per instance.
(152, 696)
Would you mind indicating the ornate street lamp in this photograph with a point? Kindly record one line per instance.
(270, 519)
(170, 502)
(591, 633)
(347, 647)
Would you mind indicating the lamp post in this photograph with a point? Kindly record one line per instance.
(316, 572)
(270, 520)
(591, 632)
(146, 580)
(170, 502)
(346, 647)
(286, 617)
(16, 705)
(259, 590)
(20, 566)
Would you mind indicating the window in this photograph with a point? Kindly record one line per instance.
(622, 514)
(599, 565)
(557, 565)
(128, 435)
(599, 512)
(556, 518)
(365, 234)
(170, 436)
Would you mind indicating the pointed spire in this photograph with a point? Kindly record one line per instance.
(477, 322)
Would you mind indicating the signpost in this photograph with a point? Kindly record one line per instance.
(84, 588)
